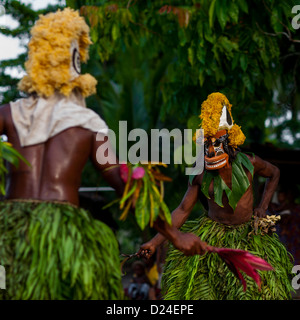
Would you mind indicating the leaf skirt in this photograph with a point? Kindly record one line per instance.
(57, 251)
(207, 277)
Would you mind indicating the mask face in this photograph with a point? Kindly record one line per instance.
(75, 67)
(215, 156)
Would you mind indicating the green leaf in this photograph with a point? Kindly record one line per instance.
(211, 13)
(142, 209)
(191, 55)
(12, 155)
(218, 192)
(221, 11)
(233, 11)
(201, 77)
(201, 54)
(243, 5)
(9, 156)
(247, 82)
(195, 173)
(206, 181)
(166, 213)
(94, 35)
(228, 45)
(244, 62)
(129, 193)
(275, 20)
(244, 160)
(115, 32)
(240, 183)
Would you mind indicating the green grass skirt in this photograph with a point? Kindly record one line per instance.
(207, 277)
(57, 251)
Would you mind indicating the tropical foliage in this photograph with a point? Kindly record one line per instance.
(157, 61)
(144, 190)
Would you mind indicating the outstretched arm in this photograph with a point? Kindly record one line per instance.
(272, 173)
(188, 243)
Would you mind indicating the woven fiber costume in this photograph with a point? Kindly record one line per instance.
(51, 248)
(226, 183)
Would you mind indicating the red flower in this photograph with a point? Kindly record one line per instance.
(240, 260)
(138, 173)
(124, 172)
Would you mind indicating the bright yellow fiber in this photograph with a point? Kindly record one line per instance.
(211, 110)
(49, 56)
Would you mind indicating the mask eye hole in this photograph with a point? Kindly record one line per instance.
(76, 61)
(217, 143)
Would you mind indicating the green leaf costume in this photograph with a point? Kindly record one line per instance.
(57, 251)
(207, 277)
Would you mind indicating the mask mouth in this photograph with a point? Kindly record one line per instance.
(217, 162)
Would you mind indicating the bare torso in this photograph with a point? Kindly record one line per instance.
(56, 165)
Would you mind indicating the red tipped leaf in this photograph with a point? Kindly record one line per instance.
(237, 259)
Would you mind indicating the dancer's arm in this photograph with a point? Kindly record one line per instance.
(108, 164)
(182, 241)
(187, 243)
(272, 173)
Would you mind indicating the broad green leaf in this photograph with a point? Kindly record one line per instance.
(240, 183)
(206, 181)
(243, 159)
(218, 192)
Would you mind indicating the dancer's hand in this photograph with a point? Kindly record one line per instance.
(190, 244)
(260, 212)
(147, 250)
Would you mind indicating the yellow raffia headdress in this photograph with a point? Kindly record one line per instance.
(49, 64)
(212, 110)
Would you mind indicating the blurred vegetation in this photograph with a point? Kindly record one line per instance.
(156, 62)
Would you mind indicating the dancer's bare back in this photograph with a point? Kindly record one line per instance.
(56, 165)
